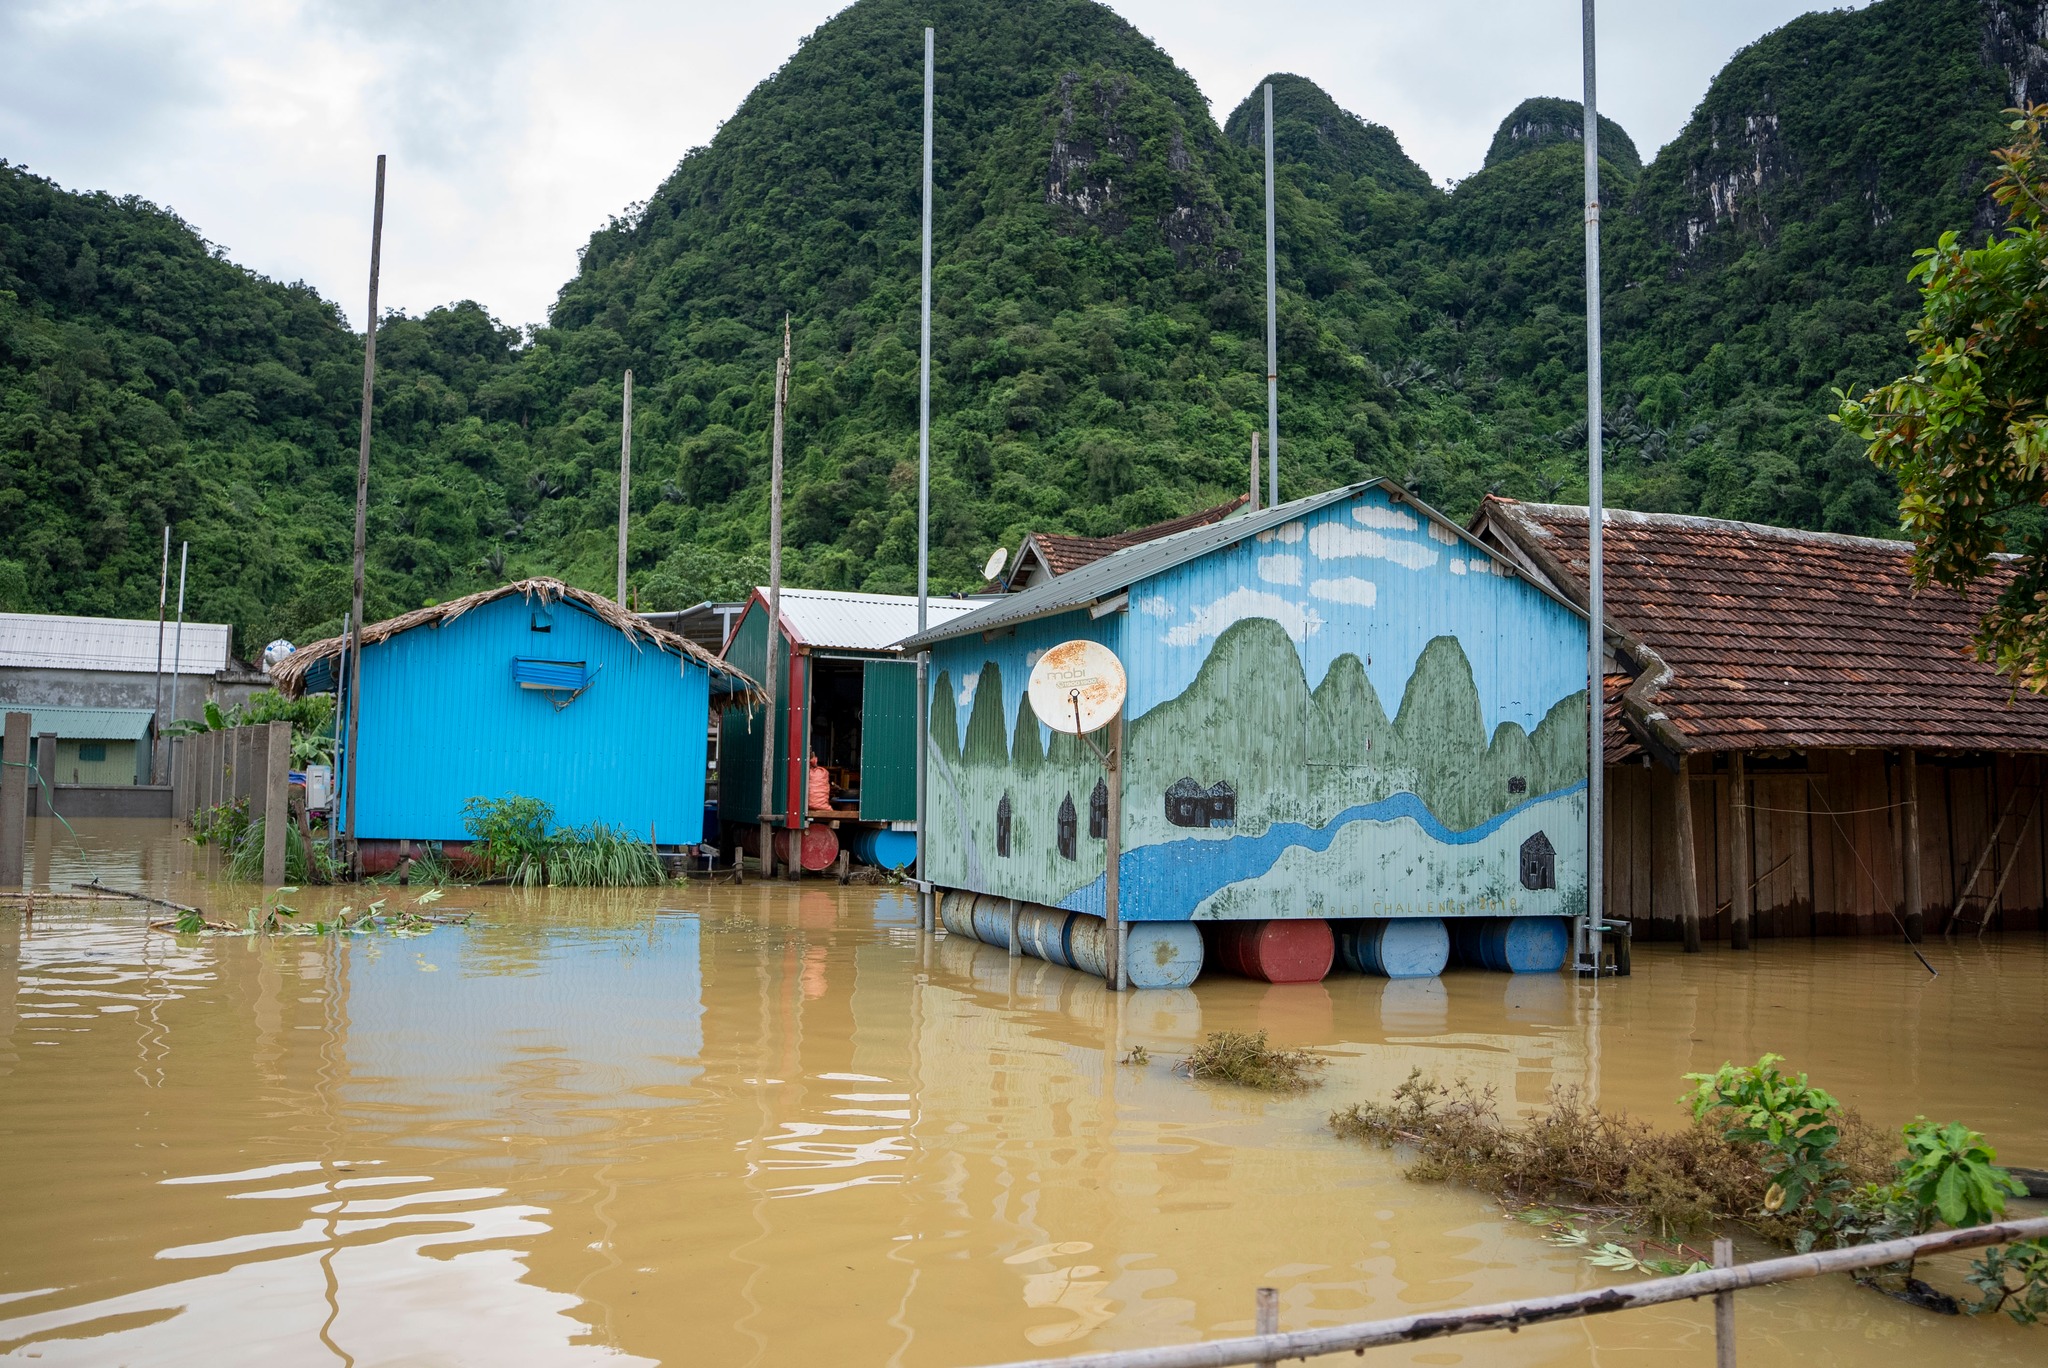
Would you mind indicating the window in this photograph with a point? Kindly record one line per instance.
(91, 752)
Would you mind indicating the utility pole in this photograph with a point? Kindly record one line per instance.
(163, 589)
(768, 813)
(1253, 506)
(1272, 325)
(178, 650)
(355, 640)
(924, 497)
(1596, 596)
(626, 479)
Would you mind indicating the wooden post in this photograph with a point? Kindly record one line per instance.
(739, 865)
(769, 817)
(1724, 1309)
(42, 797)
(1113, 831)
(625, 480)
(1266, 1317)
(13, 799)
(1915, 899)
(354, 659)
(1739, 858)
(1676, 885)
(277, 765)
(844, 869)
(1016, 918)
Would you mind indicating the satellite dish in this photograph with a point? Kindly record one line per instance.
(997, 559)
(1077, 687)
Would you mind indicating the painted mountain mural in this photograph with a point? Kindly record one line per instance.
(1251, 795)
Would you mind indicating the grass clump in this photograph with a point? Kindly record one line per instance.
(511, 839)
(1244, 1058)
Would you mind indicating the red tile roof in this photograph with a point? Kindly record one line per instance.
(1062, 553)
(1775, 638)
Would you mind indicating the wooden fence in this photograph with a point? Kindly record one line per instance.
(250, 765)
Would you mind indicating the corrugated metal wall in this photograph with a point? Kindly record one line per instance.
(442, 722)
(740, 729)
(888, 741)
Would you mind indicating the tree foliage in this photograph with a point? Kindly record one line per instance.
(1098, 349)
(1965, 430)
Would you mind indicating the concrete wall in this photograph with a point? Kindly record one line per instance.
(127, 689)
(105, 800)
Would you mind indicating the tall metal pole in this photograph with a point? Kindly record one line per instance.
(178, 650)
(1253, 505)
(1596, 595)
(924, 489)
(163, 589)
(626, 480)
(1272, 326)
(354, 643)
(769, 816)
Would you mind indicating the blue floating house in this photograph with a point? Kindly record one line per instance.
(534, 688)
(1340, 708)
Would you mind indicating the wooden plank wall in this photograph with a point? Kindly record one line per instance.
(1827, 843)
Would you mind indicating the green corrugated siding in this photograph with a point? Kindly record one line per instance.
(739, 746)
(888, 741)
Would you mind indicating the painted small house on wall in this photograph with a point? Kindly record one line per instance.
(534, 688)
(1342, 707)
(844, 698)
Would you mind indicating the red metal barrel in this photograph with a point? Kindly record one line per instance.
(819, 849)
(1291, 951)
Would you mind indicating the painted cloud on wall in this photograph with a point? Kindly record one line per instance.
(967, 687)
(1331, 540)
(1349, 589)
(1295, 619)
(1157, 605)
(1381, 515)
(1280, 569)
(1287, 534)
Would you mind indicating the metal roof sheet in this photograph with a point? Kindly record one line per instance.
(1121, 569)
(49, 641)
(85, 724)
(842, 621)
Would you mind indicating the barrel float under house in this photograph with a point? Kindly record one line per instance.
(1342, 713)
(535, 688)
(1799, 742)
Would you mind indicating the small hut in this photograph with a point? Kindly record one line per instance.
(534, 688)
(1339, 708)
(1798, 743)
(846, 699)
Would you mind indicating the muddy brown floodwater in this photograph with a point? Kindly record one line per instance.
(770, 1125)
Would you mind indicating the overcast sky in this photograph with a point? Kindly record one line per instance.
(516, 126)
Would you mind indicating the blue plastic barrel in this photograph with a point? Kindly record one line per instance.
(1394, 947)
(1162, 954)
(1514, 945)
(882, 848)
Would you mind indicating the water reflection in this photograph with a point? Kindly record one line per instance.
(772, 1125)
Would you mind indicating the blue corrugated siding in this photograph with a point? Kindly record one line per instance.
(444, 721)
(1375, 719)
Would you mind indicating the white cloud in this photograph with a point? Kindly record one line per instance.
(1288, 533)
(1280, 569)
(1437, 531)
(1457, 565)
(1382, 515)
(968, 682)
(1295, 619)
(1031, 657)
(1335, 539)
(1349, 589)
(1156, 605)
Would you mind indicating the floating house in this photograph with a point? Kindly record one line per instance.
(1343, 712)
(534, 688)
(1799, 742)
(846, 699)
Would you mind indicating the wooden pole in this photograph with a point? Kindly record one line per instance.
(1596, 515)
(277, 764)
(1739, 857)
(1915, 909)
(768, 683)
(1724, 1309)
(163, 603)
(1677, 884)
(1272, 323)
(1113, 831)
(1266, 1301)
(927, 912)
(13, 799)
(626, 478)
(178, 643)
(355, 654)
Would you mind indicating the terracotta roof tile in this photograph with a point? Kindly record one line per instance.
(1064, 553)
(1781, 638)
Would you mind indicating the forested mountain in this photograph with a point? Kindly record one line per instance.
(1098, 333)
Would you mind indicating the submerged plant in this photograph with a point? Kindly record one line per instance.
(1796, 1124)
(305, 861)
(1244, 1058)
(599, 857)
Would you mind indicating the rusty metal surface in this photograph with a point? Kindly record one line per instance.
(1783, 638)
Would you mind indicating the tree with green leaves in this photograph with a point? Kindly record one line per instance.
(1966, 430)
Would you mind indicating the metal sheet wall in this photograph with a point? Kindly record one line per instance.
(442, 722)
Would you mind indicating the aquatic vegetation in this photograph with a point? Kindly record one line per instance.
(430, 866)
(222, 825)
(1766, 1150)
(511, 840)
(275, 917)
(1244, 1058)
(597, 856)
(306, 861)
(508, 835)
(1137, 1057)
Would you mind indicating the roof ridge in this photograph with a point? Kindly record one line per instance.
(1620, 516)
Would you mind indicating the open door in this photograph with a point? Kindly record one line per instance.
(888, 741)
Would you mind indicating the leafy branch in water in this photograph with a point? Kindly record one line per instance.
(1244, 1058)
(1765, 1149)
(275, 917)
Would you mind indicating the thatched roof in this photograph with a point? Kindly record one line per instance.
(289, 675)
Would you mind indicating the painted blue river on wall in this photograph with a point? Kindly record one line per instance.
(1171, 878)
